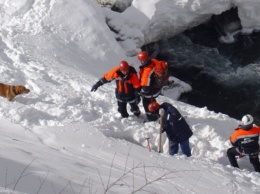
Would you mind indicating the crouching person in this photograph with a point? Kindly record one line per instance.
(175, 126)
(127, 87)
(245, 142)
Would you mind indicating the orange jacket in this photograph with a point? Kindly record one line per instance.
(145, 75)
(151, 84)
(246, 140)
(126, 84)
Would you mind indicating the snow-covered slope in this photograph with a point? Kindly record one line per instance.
(61, 138)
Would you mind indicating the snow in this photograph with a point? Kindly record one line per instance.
(62, 138)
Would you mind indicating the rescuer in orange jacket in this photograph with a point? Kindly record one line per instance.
(151, 82)
(127, 87)
(245, 142)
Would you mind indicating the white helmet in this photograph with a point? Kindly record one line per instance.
(247, 120)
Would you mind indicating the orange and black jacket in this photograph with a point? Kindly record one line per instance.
(148, 81)
(246, 140)
(127, 86)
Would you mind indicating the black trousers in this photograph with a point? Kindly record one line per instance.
(254, 159)
(122, 109)
(150, 116)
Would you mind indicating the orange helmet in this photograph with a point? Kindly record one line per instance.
(123, 66)
(142, 56)
(153, 106)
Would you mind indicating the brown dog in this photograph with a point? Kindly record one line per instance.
(10, 91)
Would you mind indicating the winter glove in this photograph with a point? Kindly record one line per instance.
(161, 111)
(95, 87)
(137, 99)
(144, 91)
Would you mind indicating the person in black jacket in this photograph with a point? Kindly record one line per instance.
(175, 126)
(245, 142)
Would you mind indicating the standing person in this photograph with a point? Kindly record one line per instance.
(153, 76)
(127, 86)
(175, 126)
(245, 142)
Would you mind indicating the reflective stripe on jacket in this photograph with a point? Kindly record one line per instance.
(126, 84)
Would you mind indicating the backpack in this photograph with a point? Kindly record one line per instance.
(161, 73)
(160, 68)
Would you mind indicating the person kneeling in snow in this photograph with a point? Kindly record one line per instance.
(127, 90)
(175, 126)
(245, 142)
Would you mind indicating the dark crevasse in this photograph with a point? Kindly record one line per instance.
(225, 77)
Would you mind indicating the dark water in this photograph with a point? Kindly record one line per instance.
(225, 77)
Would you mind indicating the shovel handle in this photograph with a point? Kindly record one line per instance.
(160, 136)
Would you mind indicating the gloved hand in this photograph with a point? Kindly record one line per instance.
(137, 99)
(144, 91)
(161, 111)
(95, 87)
